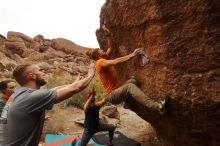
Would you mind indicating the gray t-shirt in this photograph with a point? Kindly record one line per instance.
(26, 116)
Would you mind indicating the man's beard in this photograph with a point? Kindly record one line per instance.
(41, 82)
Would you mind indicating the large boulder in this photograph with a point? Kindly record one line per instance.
(2, 42)
(182, 40)
(67, 46)
(18, 43)
(111, 112)
(19, 48)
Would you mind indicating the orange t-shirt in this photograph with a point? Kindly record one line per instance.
(107, 75)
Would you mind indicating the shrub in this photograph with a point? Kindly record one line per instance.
(78, 99)
(55, 80)
(10, 66)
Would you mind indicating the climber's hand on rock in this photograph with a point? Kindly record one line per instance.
(105, 28)
(137, 51)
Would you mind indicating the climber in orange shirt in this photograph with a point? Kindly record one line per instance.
(128, 92)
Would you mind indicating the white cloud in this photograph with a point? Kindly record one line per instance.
(76, 20)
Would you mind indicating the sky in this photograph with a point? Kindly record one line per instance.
(76, 20)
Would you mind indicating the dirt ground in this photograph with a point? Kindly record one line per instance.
(62, 121)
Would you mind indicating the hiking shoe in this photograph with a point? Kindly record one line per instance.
(76, 142)
(164, 103)
(73, 143)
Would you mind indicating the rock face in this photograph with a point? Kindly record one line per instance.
(182, 40)
(63, 57)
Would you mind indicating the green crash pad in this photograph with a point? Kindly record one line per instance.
(64, 140)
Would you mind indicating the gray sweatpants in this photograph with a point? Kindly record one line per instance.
(128, 91)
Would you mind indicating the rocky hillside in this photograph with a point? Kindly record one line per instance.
(182, 41)
(62, 56)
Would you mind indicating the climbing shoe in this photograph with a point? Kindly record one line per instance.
(164, 103)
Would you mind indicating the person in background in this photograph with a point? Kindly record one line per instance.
(7, 88)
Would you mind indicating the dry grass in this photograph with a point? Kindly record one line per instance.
(62, 121)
